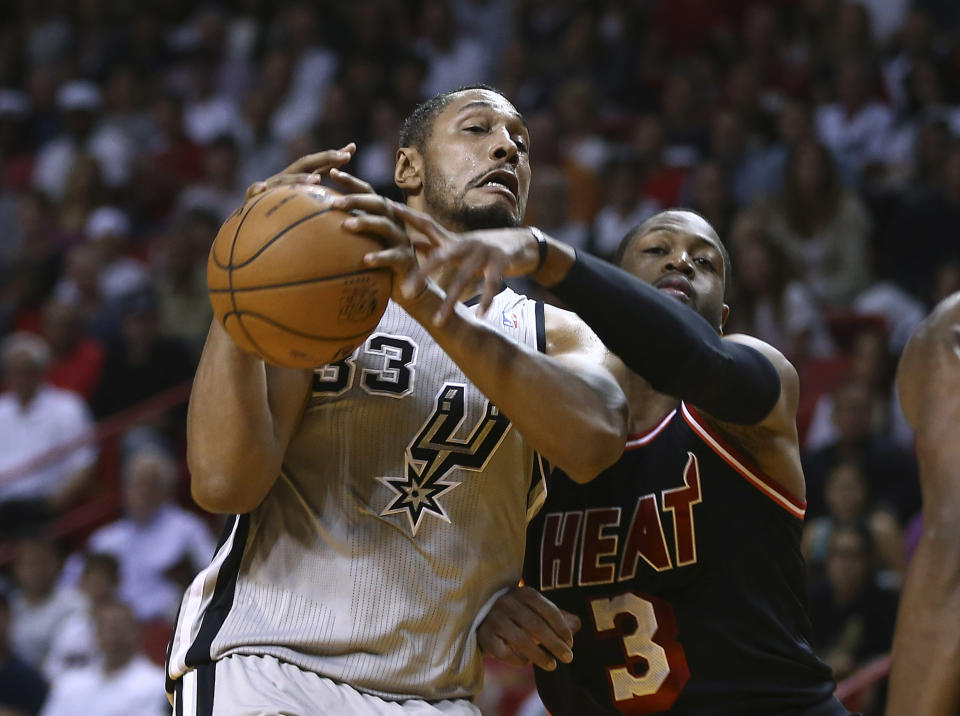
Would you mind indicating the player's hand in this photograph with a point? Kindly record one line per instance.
(524, 627)
(488, 255)
(375, 216)
(313, 169)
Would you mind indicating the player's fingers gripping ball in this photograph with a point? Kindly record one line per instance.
(289, 284)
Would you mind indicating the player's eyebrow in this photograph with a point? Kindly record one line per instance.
(486, 104)
(702, 238)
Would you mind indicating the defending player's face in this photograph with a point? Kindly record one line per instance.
(477, 165)
(679, 255)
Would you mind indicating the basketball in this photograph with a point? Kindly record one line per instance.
(289, 284)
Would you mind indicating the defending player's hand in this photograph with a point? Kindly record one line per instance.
(374, 215)
(524, 627)
(313, 169)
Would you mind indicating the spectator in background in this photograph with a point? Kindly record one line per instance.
(220, 191)
(207, 113)
(180, 279)
(663, 182)
(549, 208)
(709, 195)
(108, 229)
(84, 191)
(891, 471)
(79, 101)
(625, 206)
(125, 682)
(453, 58)
(170, 160)
(36, 418)
(576, 107)
(262, 154)
(766, 178)
(158, 545)
(822, 227)
(77, 358)
(16, 157)
(771, 303)
(75, 644)
(39, 607)
(853, 618)
(36, 262)
(22, 688)
(144, 362)
(849, 500)
(855, 127)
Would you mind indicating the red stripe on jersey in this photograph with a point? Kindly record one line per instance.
(763, 482)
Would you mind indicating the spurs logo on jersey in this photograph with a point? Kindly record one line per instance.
(436, 451)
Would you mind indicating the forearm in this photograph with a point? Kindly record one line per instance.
(926, 651)
(233, 446)
(668, 344)
(547, 401)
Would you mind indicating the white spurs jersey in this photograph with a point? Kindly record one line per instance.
(399, 513)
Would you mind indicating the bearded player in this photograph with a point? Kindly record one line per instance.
(379, 504)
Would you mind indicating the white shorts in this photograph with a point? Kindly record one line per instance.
(265, 686)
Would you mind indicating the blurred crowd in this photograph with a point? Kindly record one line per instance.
(820, 137)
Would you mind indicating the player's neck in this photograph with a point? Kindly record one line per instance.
(647, 406)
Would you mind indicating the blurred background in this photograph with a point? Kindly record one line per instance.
(820, 137)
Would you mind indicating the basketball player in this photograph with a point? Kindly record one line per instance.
(379, 504)
(682, 560)
(926, 664)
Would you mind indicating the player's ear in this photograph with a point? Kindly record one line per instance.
(724, 315)
(408, 171)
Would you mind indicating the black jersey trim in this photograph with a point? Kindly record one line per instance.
(541, 325)
(745, 467)
(206, 684)
(222, 600)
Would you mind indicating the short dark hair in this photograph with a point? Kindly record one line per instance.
(418, 125)
(644, 228)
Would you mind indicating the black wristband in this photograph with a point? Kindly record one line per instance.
(541, 245)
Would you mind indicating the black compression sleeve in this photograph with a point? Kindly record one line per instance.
(669, 344)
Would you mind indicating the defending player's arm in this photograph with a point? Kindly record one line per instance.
(677, 351)
(571, 391)
(243, 412)
(926, 650)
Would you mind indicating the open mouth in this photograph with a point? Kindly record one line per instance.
(503, 181)
(676, 286)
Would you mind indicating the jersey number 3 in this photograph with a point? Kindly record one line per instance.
(656, 669)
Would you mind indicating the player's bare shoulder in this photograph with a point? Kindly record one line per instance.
(929, 371)
(567, 334)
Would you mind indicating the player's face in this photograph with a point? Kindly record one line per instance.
(679, 255)
(477, 163)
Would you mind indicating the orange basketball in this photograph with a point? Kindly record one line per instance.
(289, 284)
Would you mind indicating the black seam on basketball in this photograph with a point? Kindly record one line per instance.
(302, 282)
(233, 246)
(276, 238)
(236, 234)
(266, 319)
(266, 355)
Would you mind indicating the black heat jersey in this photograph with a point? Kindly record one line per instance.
(683, 563)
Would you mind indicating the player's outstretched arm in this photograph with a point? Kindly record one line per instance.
(926, 649)
(568, 404)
